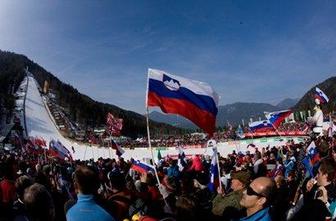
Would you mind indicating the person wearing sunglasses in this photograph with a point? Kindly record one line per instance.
(256, 199)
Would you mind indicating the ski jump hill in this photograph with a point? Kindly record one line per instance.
(39, 122)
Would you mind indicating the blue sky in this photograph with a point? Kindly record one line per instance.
(249, 51)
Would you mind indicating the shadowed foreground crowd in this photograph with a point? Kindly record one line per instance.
(271, 184)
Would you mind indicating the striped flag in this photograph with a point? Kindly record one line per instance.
(119, 151)
(319, 94)
(56, 149)
(214, 182)
(258, 126)
(194, 100)
(311, 159)
(141, 167)
(277, 117)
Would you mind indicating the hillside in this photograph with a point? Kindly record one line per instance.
(328, 87)
(81, 108)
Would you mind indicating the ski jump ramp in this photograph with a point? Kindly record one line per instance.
(40, 123)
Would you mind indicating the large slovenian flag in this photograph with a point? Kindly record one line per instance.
(194, 100)
(277, 117)
(319, 94)
(260, 125)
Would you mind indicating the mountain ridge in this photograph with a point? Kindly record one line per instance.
(232, 113)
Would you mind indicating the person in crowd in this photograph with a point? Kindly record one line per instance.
(257, 199)
(197, 165)
(107, 189)
(173, 169)
(7, 188)
(319, 194)
(227, 206)
(281, 198)
(289, 165)
(39, 203)
(333, 153)
(18, 209)
(257, 163)
(85, 181)
(120, 198)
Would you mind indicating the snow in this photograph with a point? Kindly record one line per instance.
(40, 123)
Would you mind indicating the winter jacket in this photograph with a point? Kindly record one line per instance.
(87, 209)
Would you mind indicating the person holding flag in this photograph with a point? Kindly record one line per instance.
(317, 119)
(226, 205)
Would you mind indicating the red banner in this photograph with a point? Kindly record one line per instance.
(274, 133)
(114, 125)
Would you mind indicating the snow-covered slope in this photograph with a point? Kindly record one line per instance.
(39, 123)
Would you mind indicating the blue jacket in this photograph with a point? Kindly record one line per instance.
(173, 171)
(87, 209)
(261, 215)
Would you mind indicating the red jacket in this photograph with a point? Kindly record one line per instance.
(196, 164)
(8, 191)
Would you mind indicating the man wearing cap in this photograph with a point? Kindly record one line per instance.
(228, 206)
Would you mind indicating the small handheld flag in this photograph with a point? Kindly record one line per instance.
(319, 94)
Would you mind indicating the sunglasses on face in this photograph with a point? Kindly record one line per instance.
(251, 192)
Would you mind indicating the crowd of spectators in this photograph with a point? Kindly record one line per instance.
(270, 183)
(200, 139)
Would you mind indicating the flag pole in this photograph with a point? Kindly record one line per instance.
(151, 149)
(218, 167)
(148, 132)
